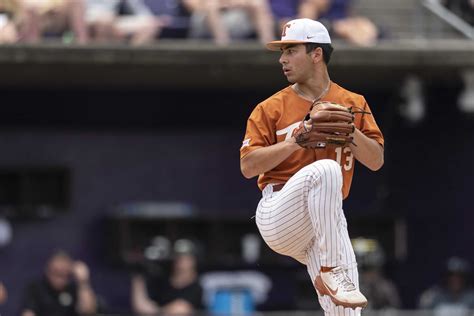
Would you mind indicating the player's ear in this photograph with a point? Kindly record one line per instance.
(317, 54)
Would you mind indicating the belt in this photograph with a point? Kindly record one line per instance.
(278, 187)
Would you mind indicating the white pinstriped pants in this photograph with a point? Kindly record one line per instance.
(305, 220)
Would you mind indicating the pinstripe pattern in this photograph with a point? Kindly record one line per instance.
(305, 220)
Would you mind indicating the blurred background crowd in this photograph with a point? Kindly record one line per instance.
(128, 199)
(145, 21)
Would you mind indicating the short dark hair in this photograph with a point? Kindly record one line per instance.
(327, 50)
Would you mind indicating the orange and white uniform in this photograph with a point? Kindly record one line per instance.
(275, 119)
(304, 219)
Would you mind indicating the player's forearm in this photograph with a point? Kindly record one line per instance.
(266, 158)
(368, 151)
(87, 303)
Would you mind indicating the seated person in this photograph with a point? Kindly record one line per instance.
(64, 290)
(115, 20)
(177, 294)
(454, 295)
(225, 20)
(337, 16)
(174, 17)
(53, 17)
(342, 22)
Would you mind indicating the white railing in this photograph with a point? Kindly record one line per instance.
(449, 17)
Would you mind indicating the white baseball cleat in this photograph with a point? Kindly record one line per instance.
(339, 287)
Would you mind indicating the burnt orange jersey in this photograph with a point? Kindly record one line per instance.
(276, 118)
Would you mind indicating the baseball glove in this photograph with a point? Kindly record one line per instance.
(326, 124)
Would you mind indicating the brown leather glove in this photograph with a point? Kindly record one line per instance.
(327, 124)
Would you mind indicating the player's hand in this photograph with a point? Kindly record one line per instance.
(80, 272)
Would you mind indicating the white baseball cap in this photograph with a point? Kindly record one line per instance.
(301, 31)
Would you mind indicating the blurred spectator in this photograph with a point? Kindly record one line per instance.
(180, 293)
(64, 290)
(381, 292)
(230, 19)
(453, 296)
(121, 20)
(173, 16)
(337, 15)
(53, 17)
(462, 8)
(8, 28)
(3, 293)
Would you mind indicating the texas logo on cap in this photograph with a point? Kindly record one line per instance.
(300, 31)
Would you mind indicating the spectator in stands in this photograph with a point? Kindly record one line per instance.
(121, 20)
(173, 15)
(337, 16)
(65, 290)
(381, 292)
(453, 296)
(53, 17)
(180, 293)
(225, 20)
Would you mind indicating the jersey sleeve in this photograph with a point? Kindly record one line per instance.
(259, 133)
(369, 127)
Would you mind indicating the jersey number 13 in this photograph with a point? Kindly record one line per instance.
(347, 164)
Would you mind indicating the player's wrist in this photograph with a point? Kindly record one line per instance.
(292, 142)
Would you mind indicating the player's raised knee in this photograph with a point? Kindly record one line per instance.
(330, 166)
(329, 169)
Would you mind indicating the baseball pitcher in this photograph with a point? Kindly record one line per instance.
(301, 143)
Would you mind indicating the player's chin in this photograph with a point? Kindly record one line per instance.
(290, 79)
